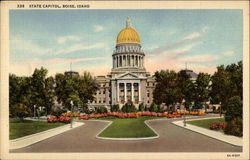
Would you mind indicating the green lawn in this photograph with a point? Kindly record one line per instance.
(205, 123)
(27, 127)
(128, 128)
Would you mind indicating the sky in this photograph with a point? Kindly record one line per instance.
(203, 39)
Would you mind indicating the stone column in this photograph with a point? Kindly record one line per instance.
(132, 91)
(125, 92)
(137, 61)
(118, 90)
(123, 61)
(126, 60)
(118, 64)
(116, 61)
(133, 60)
(140, 61)
(129, 57)
(143, 62)
(139, 91)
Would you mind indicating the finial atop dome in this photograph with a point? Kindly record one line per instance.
(128, 22)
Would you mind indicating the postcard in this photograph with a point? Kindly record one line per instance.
(124, 80)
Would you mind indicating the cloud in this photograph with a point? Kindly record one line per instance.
(80, 47)
(98, 28)
(187, 40)
(228, 53)
(192, 36)
(204, 29)
(64, 39)
(69, 60)
(27, 46)
(54, 65)
(198, 59)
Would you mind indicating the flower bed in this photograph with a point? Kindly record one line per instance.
(68, 114)
(198, 113)
(54, 119)
(130, 115)
(218, 126)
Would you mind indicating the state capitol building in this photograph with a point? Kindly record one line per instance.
(128, 80)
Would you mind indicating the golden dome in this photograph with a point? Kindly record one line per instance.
(128, 35)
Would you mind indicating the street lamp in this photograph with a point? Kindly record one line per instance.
(184, 113)
(71, 115)
(34, 111)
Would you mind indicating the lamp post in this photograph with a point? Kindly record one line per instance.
(71, 115)
(220, 109)
(34, 111)
(184, 113)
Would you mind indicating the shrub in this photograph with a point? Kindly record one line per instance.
(146, 108)
(160, 109)
(128, 108)
(58, 112)
(234, 127)
(153, 107)
(114, 108)
(234, 109)
(141, 107)
(101, 109)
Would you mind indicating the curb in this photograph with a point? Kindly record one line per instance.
(236, 141)
(40, 136)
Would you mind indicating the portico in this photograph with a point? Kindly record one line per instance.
(128, 91)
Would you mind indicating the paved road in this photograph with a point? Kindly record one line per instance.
(172, 139)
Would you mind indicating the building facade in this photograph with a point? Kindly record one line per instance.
(128, 81)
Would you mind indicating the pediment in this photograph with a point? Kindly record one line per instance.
(128, 76)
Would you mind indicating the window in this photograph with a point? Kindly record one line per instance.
(99, 101)
(103, 101)
(148, 84)
(148, 94)
(104, 92)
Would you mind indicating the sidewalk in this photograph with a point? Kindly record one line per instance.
(237, 141)
(34, 138)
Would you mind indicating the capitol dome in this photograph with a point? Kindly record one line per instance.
(128, 34)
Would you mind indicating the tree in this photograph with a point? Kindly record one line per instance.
(226, 83)
(20, 110)
(79, 89)
(87, 88)
(19, 91)
(42, 89)
(234, 108)
(186, 88)
(49, 94)
(166, 89)
(202, 89)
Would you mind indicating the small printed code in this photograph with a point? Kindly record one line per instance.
(233, 155)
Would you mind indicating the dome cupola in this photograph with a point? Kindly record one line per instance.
(128, 34)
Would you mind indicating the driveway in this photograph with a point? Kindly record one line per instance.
(172, 139)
